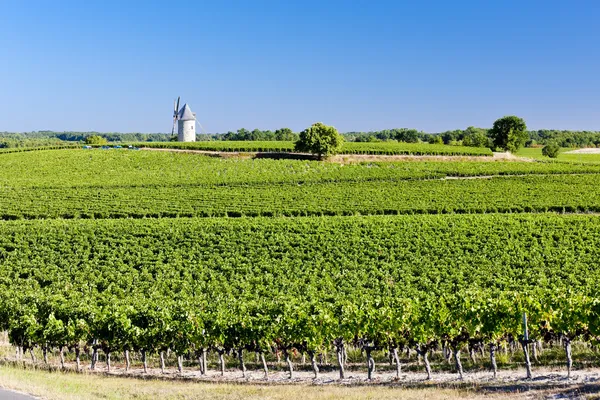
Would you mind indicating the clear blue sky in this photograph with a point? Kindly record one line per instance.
(358, 65)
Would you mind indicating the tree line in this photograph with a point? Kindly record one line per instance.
(470, 136)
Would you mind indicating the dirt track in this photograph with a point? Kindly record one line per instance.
(546, 382)
(584, 151)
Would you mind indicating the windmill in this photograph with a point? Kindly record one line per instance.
(186, 122)
(175, 112)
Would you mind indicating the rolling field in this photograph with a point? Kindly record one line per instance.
(136, 254)
(124, 184)
(382, 148)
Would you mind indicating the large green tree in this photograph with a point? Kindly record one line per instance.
(320, 139)
(509, 133)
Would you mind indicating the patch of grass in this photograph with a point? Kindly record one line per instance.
(57, 385)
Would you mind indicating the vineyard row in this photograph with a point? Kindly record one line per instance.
(384, 148)
(76, 168)
(301, 284)
(555, 193)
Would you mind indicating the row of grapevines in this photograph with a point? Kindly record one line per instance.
(384, 148)
(556, 193)
(193, 285)
(9, 150)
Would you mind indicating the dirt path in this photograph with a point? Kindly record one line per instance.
(546, 381)
(545, 377)
(591, 150)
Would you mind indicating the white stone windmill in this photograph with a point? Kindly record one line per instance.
(186, 123)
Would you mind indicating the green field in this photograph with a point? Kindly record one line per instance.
(137, 184)
(117, 250)
(383, 148)
(505, 194)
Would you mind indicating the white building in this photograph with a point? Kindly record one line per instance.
(186, 125)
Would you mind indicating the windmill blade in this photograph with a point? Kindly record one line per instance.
(175, 113)
(201, 128)
(175, 109)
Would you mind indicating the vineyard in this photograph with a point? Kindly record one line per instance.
(85, 168)
(534, 193)
(191, 285)
(383, 148)
(134, 255)
(78, 184)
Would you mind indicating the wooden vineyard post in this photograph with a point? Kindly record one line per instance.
(524, 344)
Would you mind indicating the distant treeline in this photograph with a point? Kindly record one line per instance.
(18, 140)
(565, 138)
(472, 136)
(8, 139)
(478, 137)
(38, 138)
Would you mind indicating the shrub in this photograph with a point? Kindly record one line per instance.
(551, 150)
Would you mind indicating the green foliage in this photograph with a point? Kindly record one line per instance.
(298, 283)
(150, 284)
(509, 133)
(551, 150)
(435, 139)
(285, 134)
(560, 193)
(399, 134)
(319, 139)
(96, 140)
(76, 184)
(66, 145)
(10, 142)
(369, 147)
(566, 138)
(475, 137)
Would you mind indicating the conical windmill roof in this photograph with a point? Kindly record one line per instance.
(185, 114)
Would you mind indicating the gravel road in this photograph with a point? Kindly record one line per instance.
(10, 395)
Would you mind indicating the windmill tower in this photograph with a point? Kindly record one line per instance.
(186, 123)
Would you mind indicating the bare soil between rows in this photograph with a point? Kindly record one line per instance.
(547, 382)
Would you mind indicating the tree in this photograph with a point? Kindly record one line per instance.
(475, 137)
(95, 139)
(509, 133)
(435, 139)
(451, 136)
(551, 150)
(320, 139)
(285, 134)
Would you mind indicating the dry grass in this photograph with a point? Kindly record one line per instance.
(57, 385)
